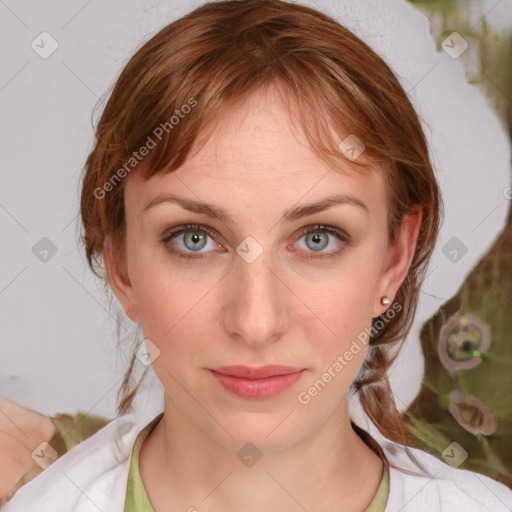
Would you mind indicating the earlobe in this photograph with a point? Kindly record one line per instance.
(119, 280)
(399, 259)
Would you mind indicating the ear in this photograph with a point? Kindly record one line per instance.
(398, 261)
(115, 266)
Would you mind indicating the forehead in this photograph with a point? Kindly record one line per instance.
(258, 155)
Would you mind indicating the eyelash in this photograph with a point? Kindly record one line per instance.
(317, 228)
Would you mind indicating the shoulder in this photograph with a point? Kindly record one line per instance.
(441, 487)
(91, 476)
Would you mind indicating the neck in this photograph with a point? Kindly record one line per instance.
(331, 469)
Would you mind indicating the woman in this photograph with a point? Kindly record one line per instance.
(261, 197)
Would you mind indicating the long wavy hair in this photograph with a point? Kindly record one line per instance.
(178, 82)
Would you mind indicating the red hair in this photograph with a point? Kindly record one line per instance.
(220, 54)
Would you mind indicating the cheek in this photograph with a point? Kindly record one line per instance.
(336, 325)
(163, 296)
(177, 315)
(169, 313)
(341, 307)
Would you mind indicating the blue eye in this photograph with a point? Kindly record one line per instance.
(320, 236)
(195, 238)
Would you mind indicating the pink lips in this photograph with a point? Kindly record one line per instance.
(261, 382)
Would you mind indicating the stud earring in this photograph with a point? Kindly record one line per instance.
(384, 300)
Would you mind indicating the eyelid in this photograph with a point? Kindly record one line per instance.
(171, 233)
(175, 231)
(327, 228)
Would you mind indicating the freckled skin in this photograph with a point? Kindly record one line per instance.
(282, 308)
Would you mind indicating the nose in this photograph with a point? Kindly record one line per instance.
(256, 302)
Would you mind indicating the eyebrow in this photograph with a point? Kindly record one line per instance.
(289, 215)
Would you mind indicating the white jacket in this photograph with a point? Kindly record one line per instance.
(93, 476)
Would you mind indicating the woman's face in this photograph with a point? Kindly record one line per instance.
(256, 290)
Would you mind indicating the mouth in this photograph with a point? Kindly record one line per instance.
(257, 382)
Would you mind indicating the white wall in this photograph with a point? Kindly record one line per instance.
(57, 345)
